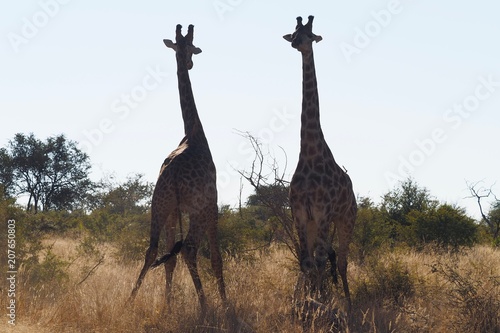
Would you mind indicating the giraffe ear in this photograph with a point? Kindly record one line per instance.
(170, 44)
(288, 38)
(317, 38)
(196, 50)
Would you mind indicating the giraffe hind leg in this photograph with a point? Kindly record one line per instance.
(344, 238)
(190, 258)
(152, 250)
(216, 259)
(189, 252)
(151, 254)
(170, 260)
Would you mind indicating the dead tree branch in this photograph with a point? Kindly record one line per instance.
(92, 270)
(479, 192)
(271, 188)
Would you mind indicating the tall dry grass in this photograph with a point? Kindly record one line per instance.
(392, 291)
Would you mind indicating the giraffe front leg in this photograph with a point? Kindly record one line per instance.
(319, 236)
(305, 283)
(322, 247)
(305, 256)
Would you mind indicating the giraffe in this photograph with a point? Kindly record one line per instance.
(321, 192)
(186, 184)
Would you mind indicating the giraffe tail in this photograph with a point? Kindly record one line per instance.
(175, 250)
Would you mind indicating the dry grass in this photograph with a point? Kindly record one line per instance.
(403, 291)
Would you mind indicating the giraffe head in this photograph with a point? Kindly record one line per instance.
(303, 36)
(183, 45)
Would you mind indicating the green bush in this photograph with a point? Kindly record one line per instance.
(55, 221)
(133, 239)
(370, 232)
(9, 211)
(444, 225)
(51, 269)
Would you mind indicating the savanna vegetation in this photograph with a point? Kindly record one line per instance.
(416, 264)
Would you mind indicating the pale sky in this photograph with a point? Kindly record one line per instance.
(407, 88)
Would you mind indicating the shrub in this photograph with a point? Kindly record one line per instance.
(370, 232)
(241, 232)
(50, 269)
(133, 240)
(388, 282)
(45, 279)
(444, 225)
(476, 303)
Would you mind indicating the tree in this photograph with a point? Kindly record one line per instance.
(121, 211)
(491, 219)
(271, 192)
(6, 173)
(398, 204)
(415, 218)
(131, 197)
(494, 220)
(53, 173)
(402, 200)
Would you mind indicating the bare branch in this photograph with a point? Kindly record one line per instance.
(240, 195)
(478, 193)
(271, 188)
(92, 270)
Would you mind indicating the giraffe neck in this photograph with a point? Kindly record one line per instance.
(192, 123)
(310, 132)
